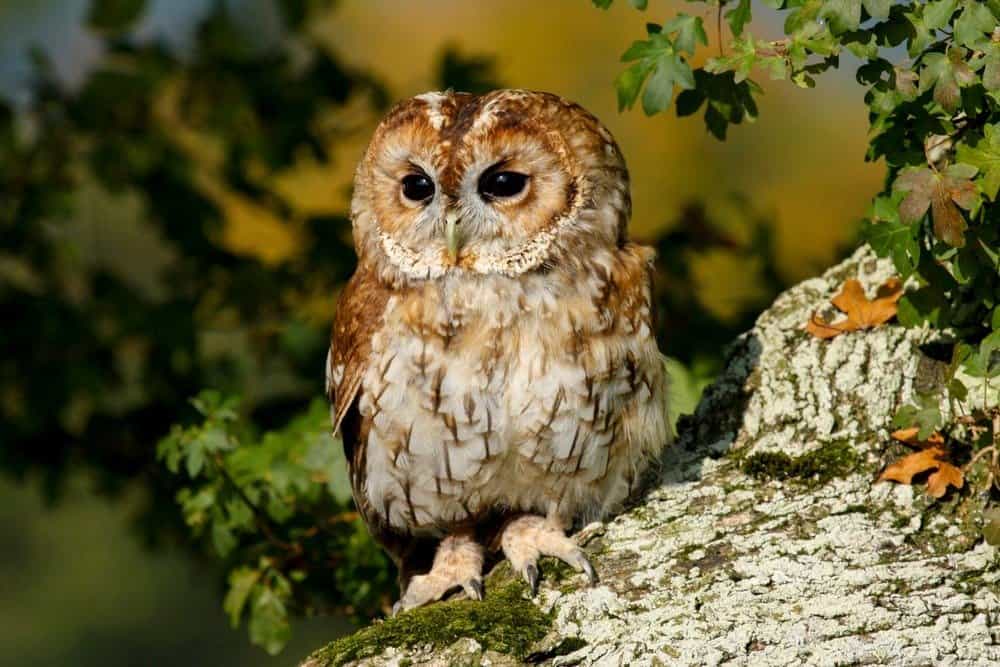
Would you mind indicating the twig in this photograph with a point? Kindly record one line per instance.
(980, 454)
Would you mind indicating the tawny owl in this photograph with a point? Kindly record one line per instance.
(493, 369)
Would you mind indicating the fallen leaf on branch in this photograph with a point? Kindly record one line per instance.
(909, 436)
(860, 311)
(945, 476)
(931, 458)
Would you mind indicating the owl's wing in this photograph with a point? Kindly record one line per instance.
(359, 316)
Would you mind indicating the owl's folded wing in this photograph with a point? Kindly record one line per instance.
(359, 316)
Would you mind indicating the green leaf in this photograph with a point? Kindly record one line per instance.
(639, 4)
(986, 156)
(670, 71)
(957, 390)
(938, 14)
(803, 18)
(269, 627)
(241, 583)
(647, 49)
(223, 539)
(925, 305)
(945, 73)
(975, 22)
(195, 459)
(984, 361)
(925, 414)
(739, 16)
(740, 60)
(878, 9)
(842, 15)
(602, 4)
(170, 449)
(629, 83)
(689, 31)
(730, 101)
(920, 36)
(864, 50)
(991, 68)
(896, 240)
(114, 15)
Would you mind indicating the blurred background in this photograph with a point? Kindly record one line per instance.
(174, 177)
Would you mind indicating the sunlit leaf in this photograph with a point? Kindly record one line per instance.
(739, 16)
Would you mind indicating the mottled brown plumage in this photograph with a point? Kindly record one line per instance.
(493, 370)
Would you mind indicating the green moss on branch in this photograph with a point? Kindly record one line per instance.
(505, 622)
(832, 460)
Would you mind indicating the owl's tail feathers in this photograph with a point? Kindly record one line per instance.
(529, 537)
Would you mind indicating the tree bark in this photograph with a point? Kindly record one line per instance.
(767, 539)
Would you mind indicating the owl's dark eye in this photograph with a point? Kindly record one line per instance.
(418, 187)
(494, 184)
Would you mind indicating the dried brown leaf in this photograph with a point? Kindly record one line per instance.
(946, 475)
(861, 312)
(909, 436)
(911, 465)
(949, 225)
(943, 193)
(930, 459)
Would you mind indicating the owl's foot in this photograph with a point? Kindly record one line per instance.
(527, 538)
(458, 563)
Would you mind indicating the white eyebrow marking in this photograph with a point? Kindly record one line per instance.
(433, 110)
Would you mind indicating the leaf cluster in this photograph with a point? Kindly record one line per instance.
(931, 74)
(935, 122)
(276, 508)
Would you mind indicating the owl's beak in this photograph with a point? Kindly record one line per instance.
(452, 235)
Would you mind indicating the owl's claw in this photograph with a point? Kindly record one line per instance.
(531, 576)
(527, 538)
(583, 565)
(458, 563)
(474, 588)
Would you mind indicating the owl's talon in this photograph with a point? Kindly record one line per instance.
(530, 573)
(582, 564)
(474, 588)
(527, 538)
(458, 563)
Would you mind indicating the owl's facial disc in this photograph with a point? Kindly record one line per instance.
(488, 184)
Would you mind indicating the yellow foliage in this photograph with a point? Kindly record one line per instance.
(726, 285)
(249, 228)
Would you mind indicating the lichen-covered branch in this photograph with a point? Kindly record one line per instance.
(767, 541)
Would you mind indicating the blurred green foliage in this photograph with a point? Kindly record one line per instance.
(276, 509)
(170, 230)
(127, 283)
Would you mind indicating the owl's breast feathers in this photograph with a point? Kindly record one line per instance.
(464, 397)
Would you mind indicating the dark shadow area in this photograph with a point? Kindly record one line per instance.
(712, 430)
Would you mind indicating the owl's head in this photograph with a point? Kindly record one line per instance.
(502, 183)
